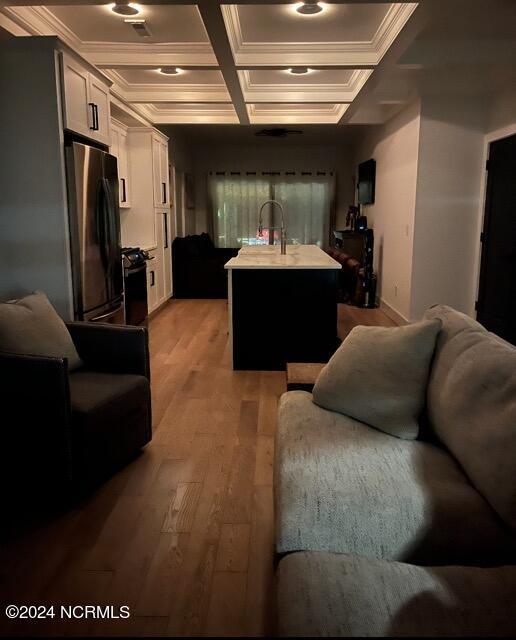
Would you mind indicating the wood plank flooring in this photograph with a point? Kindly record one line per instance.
(184, 534)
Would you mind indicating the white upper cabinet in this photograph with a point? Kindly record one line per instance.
(164, 172)
(78, 114)
(99, 97)
(120, 149)
(86, 106)
(160, 171)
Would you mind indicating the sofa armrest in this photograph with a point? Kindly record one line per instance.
(113, 348)
(226, 253)
(36, 438)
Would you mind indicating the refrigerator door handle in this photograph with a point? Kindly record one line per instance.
(109, 314)
(102, 216)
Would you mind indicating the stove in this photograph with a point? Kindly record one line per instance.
(135, 284)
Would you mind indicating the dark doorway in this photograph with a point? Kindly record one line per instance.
(496, 308)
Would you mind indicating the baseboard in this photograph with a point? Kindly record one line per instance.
(155, 311)
(394, 315)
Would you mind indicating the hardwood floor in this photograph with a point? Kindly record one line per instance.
(184, 534)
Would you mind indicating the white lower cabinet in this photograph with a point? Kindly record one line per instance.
(159, 269)
(152, 281)
(164, 247)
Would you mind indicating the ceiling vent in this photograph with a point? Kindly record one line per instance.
(139, 26)
(278, 133)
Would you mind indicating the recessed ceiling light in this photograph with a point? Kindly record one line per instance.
(298, 71)
(170, 71)
(124, 8)
(309, 7)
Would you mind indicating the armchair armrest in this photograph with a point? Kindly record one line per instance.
(36, 438)
(114, 348)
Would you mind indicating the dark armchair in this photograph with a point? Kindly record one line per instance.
(66, 431)
(198, 267)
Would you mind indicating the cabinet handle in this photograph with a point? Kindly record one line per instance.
(164, 192)
(153, 279)
(165, 219)
(93, 118)
(124, 195)
(97, 117)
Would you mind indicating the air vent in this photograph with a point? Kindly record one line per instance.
(139, 26)
(278, 133)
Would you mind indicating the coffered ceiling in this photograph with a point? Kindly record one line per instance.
(234, 61)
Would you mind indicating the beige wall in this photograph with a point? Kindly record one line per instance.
(273, 157)
(448, 199)
(395, 147)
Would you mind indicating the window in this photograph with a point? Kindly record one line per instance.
(236, 200)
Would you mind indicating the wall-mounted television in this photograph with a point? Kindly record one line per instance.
(366, 181)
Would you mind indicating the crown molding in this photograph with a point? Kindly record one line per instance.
(42, 22)
(368, 52)
(281, 114)
(303, 92)
(109, 54)
(158, 92)
(394, 21)
(192, 114)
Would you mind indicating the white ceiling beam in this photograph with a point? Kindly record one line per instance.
(211, 15)
(412, 28)
(22, 3)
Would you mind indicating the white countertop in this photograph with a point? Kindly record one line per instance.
(299, 256)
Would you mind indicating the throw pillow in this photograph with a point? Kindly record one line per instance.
(31, 326)
(379, 375)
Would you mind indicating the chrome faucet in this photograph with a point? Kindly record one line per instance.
(283, 228)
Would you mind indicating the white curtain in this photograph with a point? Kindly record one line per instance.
(236, 200)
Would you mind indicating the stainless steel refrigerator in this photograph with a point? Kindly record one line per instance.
(92, 179)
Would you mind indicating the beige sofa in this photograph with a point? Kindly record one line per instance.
(380, 536)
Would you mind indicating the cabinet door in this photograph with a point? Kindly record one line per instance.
(164, 248)
(78, 113)
(114, 147)
(99, 96)
(156, 171)
(165, 180)
(123, 169)
(152, 283)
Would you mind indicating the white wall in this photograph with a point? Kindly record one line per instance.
(501, 113)
(395, 148)
(448, 199)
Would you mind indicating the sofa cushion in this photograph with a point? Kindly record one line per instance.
(345, 487)
(110, 416)
(321, 594)
(379, 375)
(472, 405)
(31, 326)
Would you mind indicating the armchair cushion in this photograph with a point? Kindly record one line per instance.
(111, 418)
(112, 348)
(31, 326)
(379, 376)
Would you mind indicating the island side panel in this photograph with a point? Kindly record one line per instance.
(283, 315)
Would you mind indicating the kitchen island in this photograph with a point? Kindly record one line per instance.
(282, 308)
